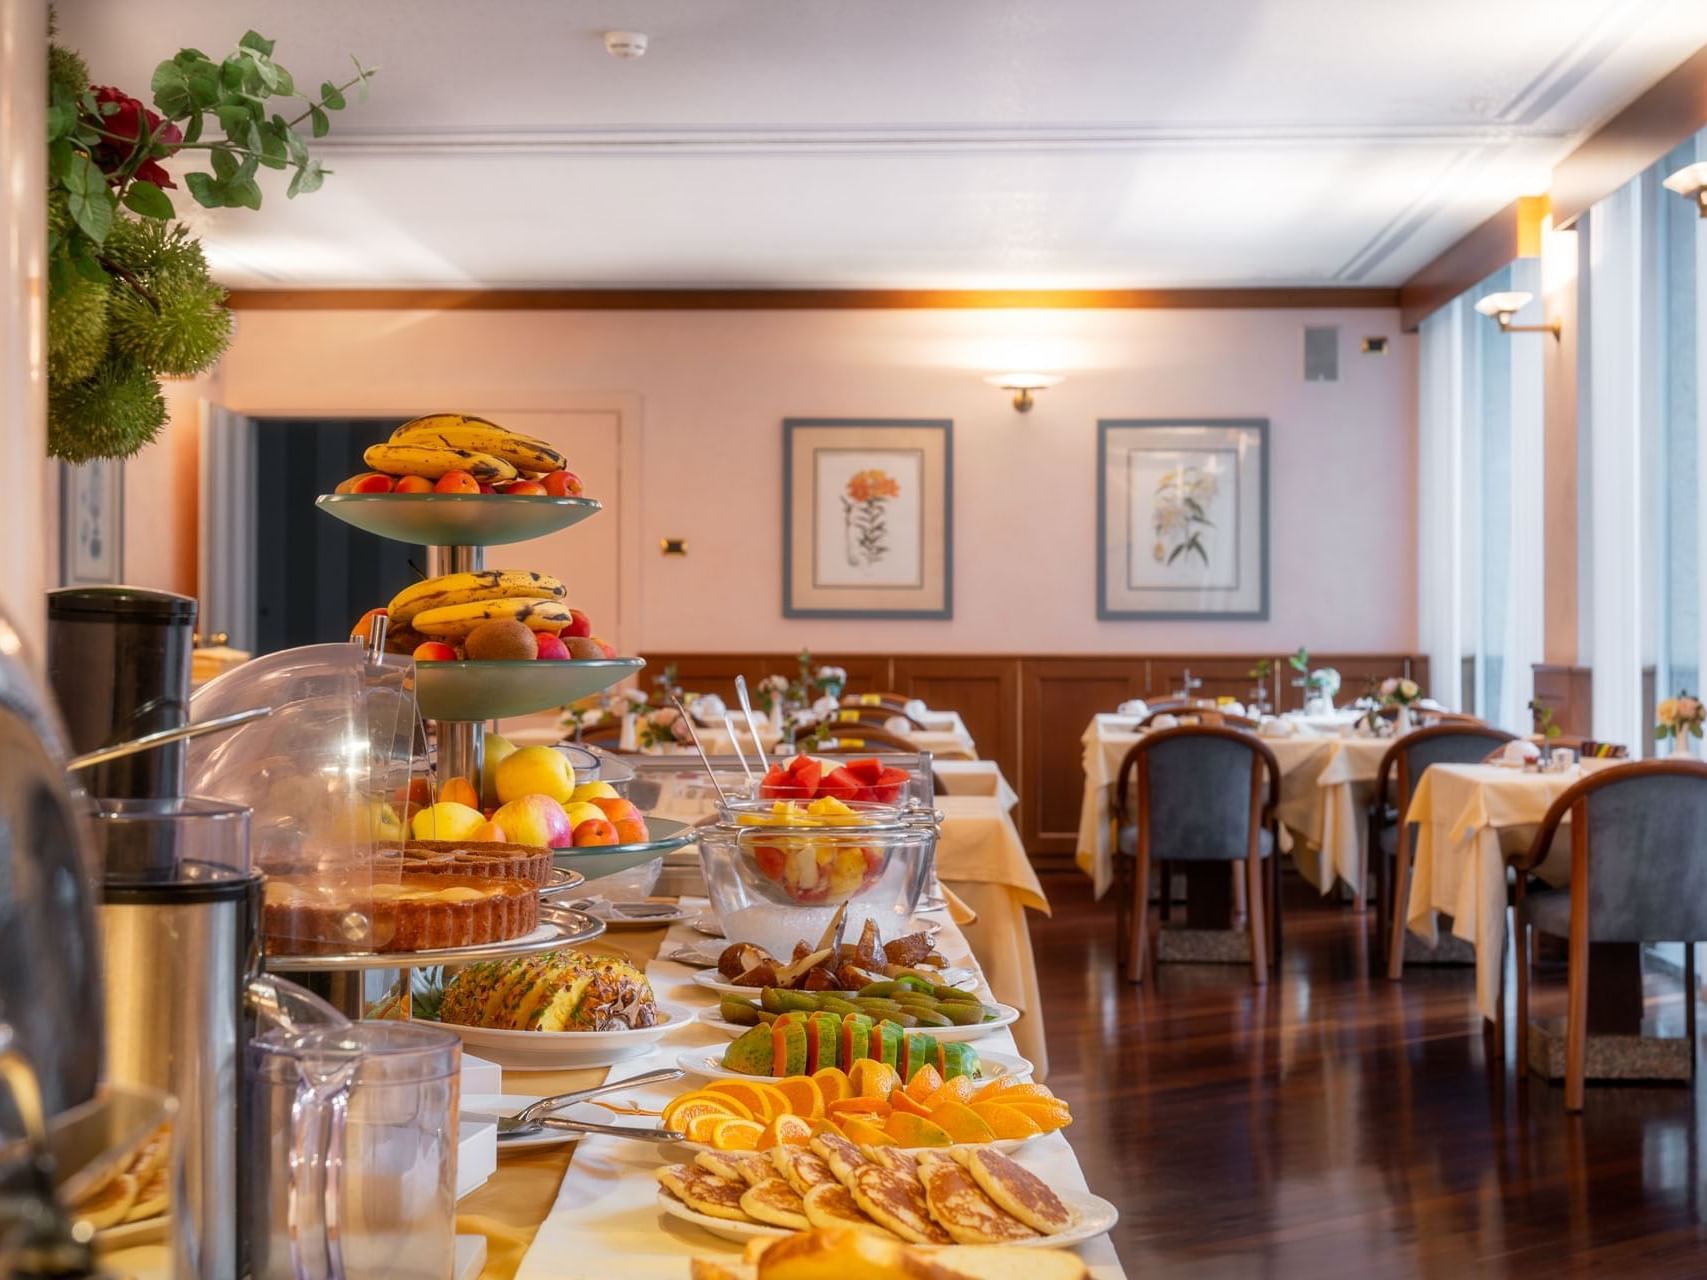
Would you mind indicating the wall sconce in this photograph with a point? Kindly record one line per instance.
(1022, 385)
(1690, 182)
(1503, 306)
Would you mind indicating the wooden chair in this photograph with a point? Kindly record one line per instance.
(862, 740)
(886, 698)
(1200, 797)
(1389, 844)
(1207, 715)
(1638, 874)
(880, 716)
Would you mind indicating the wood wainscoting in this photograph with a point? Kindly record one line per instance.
(1028, 713)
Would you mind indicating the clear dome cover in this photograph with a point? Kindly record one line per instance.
(325, 777)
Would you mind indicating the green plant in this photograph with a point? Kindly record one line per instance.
(1262, 670)
(1300, 661)
(1544, 724)
(130, 298)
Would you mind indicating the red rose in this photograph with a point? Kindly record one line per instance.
(125, 125)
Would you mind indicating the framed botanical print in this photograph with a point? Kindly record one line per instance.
(91, 523)
(867, 518)
(1182, 518)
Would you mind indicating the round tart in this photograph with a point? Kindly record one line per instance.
(417, 912)
(489, 860)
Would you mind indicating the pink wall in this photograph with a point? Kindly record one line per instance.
(705, 395)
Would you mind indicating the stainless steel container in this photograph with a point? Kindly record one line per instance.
(179, 941)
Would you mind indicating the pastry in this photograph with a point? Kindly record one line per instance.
(415, 913)
(489, 860)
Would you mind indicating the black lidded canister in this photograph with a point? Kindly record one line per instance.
(119, 662)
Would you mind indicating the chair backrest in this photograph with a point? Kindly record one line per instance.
(861, 739)
(608, 731)
(1202, 791)
(1638, 851)
(882, 698)
(1460, 742)
(871, 715)
(1203, 714)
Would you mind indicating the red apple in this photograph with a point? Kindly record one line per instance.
(551, 649)
(456, 482)
(579, 624)
(373, 482)
(594, 831)
(528, 488)
(563, 484)
(434, 651)
(414, 484)
(488, 488)
(536, 820)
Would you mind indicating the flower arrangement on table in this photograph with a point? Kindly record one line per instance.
(771, 693)
(1319, 685)
(1680, 719)
(604, 708)
(1398, 691)
(663, 727)
(830, 681)
(130, 299)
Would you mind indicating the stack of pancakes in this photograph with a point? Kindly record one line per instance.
(939, 1196)
(137, 1190)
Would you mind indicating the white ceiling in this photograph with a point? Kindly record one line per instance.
(909, 143)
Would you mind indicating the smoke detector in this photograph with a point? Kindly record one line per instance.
(625, 44)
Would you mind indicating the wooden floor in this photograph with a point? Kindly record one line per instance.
(1335, 1124)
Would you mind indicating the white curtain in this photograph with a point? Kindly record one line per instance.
(1440, 414)
(1619, 400)
(1522, 639)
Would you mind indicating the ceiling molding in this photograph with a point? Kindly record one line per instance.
(904, 139)
(1514, 232)
(807, 299)
(1674, 108)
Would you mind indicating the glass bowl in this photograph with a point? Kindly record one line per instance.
(776, 885)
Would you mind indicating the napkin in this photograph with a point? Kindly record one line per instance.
(916, 708)
(1134, 707)
(707, 709)
(1519, 753)
(1166, 720)
(1231, 708)
(1274, 727)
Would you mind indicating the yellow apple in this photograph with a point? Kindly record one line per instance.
(536, 820)
(589, 791)
(585, 811)
(497, 750)
(535, 771)
(447, 822)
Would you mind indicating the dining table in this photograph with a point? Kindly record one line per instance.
(1328, 774)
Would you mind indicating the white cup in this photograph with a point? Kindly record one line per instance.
(1561, 758)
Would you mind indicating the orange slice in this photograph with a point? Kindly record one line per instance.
(959, 1089)
(873, 1079)
(912, 1106)
(760, 1098)
(785, 1131)
(1047, 1116)
(833, 1084)
(859, 1106)
(1007, 1091)
(701, 1128)
(910, 1131)
(1005, 1122)
(962, 1124)
(866, 1133)
(736, 1135)
(803, 1094)
(926, 1081)
(683, 1109)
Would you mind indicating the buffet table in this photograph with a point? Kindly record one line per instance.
(1327, 783)
(588, 1211)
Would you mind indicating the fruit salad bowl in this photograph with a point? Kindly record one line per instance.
(773, 882)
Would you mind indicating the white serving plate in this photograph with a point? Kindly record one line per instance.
(634, 915)
(1007, 1015)
(1093, 1216)
(554, 1050)
(712, 980)
(709, 1064)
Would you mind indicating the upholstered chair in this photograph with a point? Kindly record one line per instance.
(1198, 793)
(1390, 842)
(1638, 837)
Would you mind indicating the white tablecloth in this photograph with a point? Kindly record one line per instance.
(606, 1222)
(1468, 817)
(1326, 785)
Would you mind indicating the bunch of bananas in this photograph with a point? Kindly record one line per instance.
(443, 442)
(449, 607)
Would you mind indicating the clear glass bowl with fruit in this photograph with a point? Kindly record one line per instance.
(777, 871)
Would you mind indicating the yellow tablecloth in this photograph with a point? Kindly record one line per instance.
(974, 778)
(1326, 784)
(1468, 817)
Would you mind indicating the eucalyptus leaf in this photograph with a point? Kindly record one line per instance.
(59, 156)
(87, 198)
(306, 179)
(224, 162)
(330, 98)
(189, 58)
(206, 191)
(245, 171)
(272, 147)
(318, 124)
(204, 87)
(193, 128)
(287, 82)
(295, 147)
(244, 193)
(265, 69)
(61, 120)
(232, 72)
(258, 42)
(148, 200)
(171, 86)
(233, 118)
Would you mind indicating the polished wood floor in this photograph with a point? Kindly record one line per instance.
(1335, 1124)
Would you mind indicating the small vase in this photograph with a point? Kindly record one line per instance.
(776, 716)
(1683, 745)
(629, 740)
(1402, 722)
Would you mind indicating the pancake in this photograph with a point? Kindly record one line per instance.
(830, 1204)
(802, 1169)
(840, 1154)
(897, 1202)
(903, 1162)
(777, 1203)
(1016, 1189)
(745, 1167)
(962, 1209)
(152, 1197)
(109, 1204)
(704, 1192)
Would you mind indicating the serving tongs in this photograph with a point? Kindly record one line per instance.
(700, 747)
(537, 1115)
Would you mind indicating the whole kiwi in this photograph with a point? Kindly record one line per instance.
(502, 640)
(583, 647)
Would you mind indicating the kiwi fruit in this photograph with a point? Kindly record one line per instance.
(583, 647)
(502, 640)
